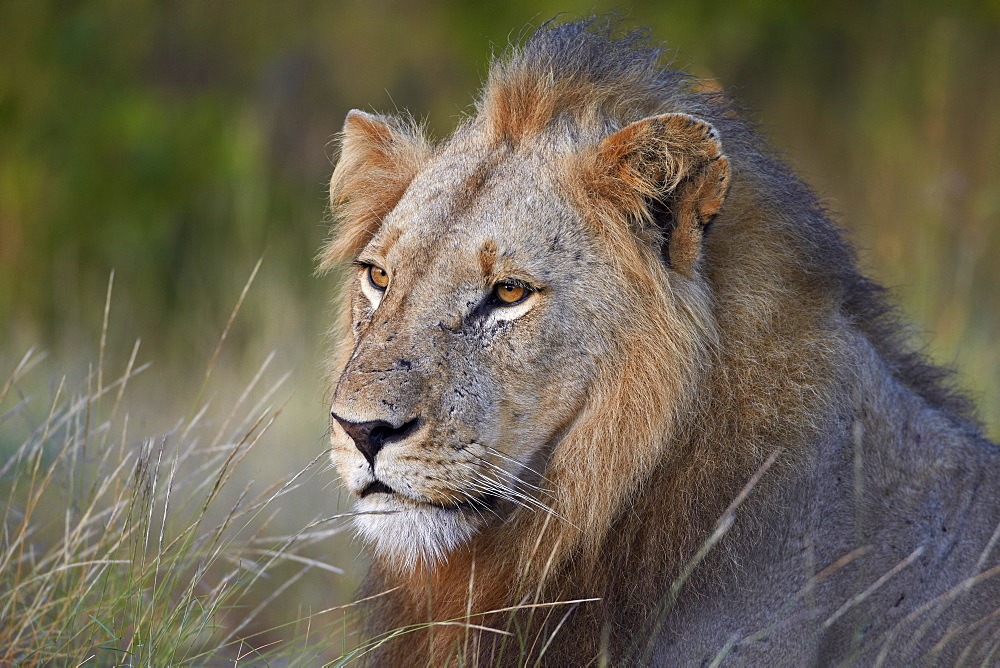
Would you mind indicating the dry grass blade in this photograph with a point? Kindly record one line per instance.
(27, 362)
(722, 526)
(873, 587)
(225, 331)
(104, 333)
(936, 603)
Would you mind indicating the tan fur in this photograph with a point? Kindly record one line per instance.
(714, 436)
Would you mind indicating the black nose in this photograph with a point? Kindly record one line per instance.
(370, 437)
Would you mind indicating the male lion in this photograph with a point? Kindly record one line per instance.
(615, 390)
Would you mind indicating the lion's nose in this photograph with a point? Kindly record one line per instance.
(371, 437)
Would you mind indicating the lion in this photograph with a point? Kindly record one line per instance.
(612, 389)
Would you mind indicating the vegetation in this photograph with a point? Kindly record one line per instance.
(124, 550)
(178, 143)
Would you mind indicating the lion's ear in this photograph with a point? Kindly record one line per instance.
(379, 156)
(671, 174)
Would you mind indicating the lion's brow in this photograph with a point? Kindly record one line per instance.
(488, 257)
(385, 243)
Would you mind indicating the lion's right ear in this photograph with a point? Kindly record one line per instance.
(671, 164)
(379, 157)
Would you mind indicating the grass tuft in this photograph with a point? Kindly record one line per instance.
(125, 550)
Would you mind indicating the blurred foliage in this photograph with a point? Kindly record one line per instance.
(178, 142)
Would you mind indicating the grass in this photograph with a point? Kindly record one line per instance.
(125, 550)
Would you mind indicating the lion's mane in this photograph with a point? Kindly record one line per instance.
(729, 385)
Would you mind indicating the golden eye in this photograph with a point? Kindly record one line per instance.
(378, 277)
(510, 293)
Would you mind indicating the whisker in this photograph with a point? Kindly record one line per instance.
(493, 487)
(494, 451)
(514, 477)
(511, 494)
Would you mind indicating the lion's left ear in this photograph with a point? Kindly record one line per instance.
(669, 172)
(379, 157)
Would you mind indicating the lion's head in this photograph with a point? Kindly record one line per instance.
(510, 284)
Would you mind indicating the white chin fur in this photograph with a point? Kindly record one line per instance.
(405, 534)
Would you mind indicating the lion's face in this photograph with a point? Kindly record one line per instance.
(476, 333)
(505, 291)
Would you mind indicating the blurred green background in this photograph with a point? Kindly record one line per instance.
(178, 142)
